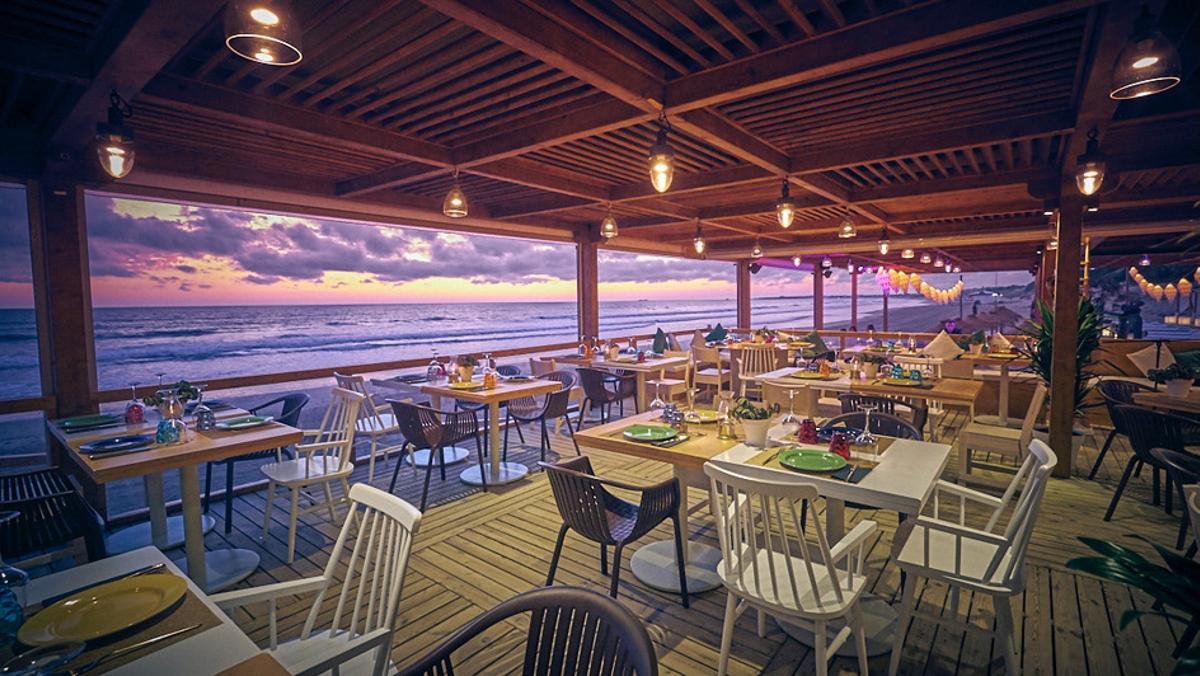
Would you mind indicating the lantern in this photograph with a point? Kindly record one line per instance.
(1170, 291)
(1156, 292)
(1185, 287)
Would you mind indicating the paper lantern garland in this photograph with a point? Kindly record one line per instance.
(1158, 292)
(891, 281)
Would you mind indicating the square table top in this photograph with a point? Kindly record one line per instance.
(206, 446)
(627, 362)
(692, 453)
(504, 390)
(1164, 401)
(944, 389)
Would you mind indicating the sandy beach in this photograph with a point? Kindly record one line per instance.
(1003, 314)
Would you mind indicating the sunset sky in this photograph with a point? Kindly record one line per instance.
(156, 253)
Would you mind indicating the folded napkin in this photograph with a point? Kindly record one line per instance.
(843, 474)
(717, 334)
(660, 342)
(999, 343)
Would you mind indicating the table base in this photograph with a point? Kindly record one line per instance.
(226, 567)
(655, 565)
(878, 616)
(509, 472)
(138, 536)
(453, 454)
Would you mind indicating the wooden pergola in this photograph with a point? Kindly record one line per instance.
(952, 125)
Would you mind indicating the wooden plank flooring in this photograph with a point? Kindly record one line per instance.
(478, 550)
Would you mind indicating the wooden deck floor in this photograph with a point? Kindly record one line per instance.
(478, 550)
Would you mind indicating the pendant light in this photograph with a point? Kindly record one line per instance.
(608, 226)
(1148, 63)
(114, 140)
(796, 261)
(850, 265)
(1145, 262)
(455, 204)
(662, 158)
(756, 251)
(847, 230)
(826, 263)
(884, 245)
(1090, 166)
(698, 243)
(907, 254)
(926, 258)
(785, 208)
(938, 262)
(1052, 245)
(949, 267)
(263, 31)
(956, 269)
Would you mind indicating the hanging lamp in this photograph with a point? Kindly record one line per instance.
(907, 254)
(1148, 63)
(948, 267)
(884, 245)
(938, 262)
(263, 31)
(698, 242)
(114, 140)
(1090, 167)
(756, 251)
(455, 204)
(796, 261)
(661, 163)
(1145, 262)
(926, 258)
(850, 265)
(847, 229)
(826, 263)
(957, 269)
(608, 226)
(785, 208)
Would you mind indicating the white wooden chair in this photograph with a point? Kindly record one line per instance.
(976, 436)
(1191, 496)
(753, 360)
(359, 634)
(673, 382)
(767, 563)
(716, 375)
(374, 420)
(977, 560)
(326, 457)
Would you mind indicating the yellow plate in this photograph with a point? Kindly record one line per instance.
(903, 382)
(103, 610)
(706, 415)
(463, 385)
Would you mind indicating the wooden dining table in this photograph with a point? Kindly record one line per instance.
(627, 362)
(1164, 402)
(1005, 365)
(212, 571)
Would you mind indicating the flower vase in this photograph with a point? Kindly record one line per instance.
(756, 432)
(465, 373)
(871, 370)
(1178, 388)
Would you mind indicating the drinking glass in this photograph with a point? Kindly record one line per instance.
(789, 419)
(866, 438)
(658, 403)
(135, 410)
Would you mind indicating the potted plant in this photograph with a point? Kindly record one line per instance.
(978, 340)
(871, 363)
(1039, 349)
(466, 366)
(756, 421)
(1177, 377)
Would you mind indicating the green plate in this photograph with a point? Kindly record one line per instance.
(244, 422)
(649, 433)
(806, 460)
(86, 421)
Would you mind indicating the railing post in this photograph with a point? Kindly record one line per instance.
(743, 294)
(1066, 330)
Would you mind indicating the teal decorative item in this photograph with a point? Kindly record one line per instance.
(716, 335)
(660, 342)
(915, 375)
(897, 372)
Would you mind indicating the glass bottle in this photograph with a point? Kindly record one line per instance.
(725, 416)
(12, 594)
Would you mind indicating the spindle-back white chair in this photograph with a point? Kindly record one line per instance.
(374, 420)
(324, 458)
(976, 436)
(359, 634)
(753, 360)
(768, 563)
(716, 375)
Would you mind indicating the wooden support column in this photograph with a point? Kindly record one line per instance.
(854, 300)
(818, 298)
(885, 310)
(743, 294)
(57, 215)
(587, 288)
(1066, 329)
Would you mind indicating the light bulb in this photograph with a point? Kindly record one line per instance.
(949, 267)
(957, 269)
(698, 244)
(608, 227)
(661, 162)
(848, 230)
(455, 204)
(756, 251)
(1090, 167)
(796, 261)
(926, 258)
(850, 266)
(785, 208)
(827, 262)
(263, 31)
(938, 262)
(114, 140)
(1145, 261)
(884, 245)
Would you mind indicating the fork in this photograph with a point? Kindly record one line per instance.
(130, 648)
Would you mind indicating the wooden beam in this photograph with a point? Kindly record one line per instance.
(395, 176)
(153, 37)
(46, 61)
(818, 298)
(742, 283)
(723, 133)
(952, 184)
(1066, 329)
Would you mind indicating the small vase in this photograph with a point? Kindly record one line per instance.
(871, 370)
(465, 373)
(1178, 388)
(977, 348)
(756, 432)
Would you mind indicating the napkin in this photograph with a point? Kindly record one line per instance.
(660, 342)
(717, 334)
(999, 343)
(844, 473)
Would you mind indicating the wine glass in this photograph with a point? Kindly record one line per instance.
(789, 419)
(658, 403)
(135, 410)
(866, 438)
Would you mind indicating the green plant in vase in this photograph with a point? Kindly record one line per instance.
(1177, 377)
(756, 421)
(1039, 349)
(466, 366)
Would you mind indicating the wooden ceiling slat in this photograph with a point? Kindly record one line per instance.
(749, 10)
(834, 12)
(428, 75)
(798, 17)
(462, 90)
(471, 94)
(548, 87)
(580, 94)
(727, 24)
(989, 156)
(687, 22)
(660, 54)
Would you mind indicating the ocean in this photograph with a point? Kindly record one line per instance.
(136, 344)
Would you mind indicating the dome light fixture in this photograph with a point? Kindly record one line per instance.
(698, 242)
(608, 226)
(938, 262)
(1148, 63)
(785, 208)
(1090, 167)
(661, 162)
(796, 261)
(455, 204)
(907, 254)
(756, 251)
(926, 258)
(263, 31)
(884, 245)
(114, 139)
(957, 269)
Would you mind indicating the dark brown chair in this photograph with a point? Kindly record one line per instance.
(1147, 429)
(881, 423)
(1183, 468)
(596, 392)
(1116, 393)
(50, 513)
(852, 403)
(428, 428)
(552, 406)
(572, 631)
(598, 515)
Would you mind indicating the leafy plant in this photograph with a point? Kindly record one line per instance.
(874, 358)
(184, 390)
(1174, 371)
(748, 410)
(468, 360)
(1175, 587)
(1039, 349)
(978, 338)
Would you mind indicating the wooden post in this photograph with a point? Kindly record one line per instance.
(587, 288)
(57, 215)
(854, 301)
(885, 310)
(818, 298)
(743, 294)
(1066, 329)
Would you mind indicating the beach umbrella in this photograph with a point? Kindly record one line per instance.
(1170, 291)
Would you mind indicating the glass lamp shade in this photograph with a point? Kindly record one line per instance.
(884, 245)
(1090, 168)
(847, 230)
(785, 209)
(938, 262)
(850, 266)
(698, 244)
(796, 261)
(263, 31)
(956, 269)
(1147, 65)
(608, 227)
(455, 204)
(1053, 245)
(116, 154)
(1145, 262)
(907, 254)
(926, 258)
(661, 163)
(948, 267)
(756, 251)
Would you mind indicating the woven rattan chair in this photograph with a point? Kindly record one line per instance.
(428, 428)
(881, 423)
(552, 406)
